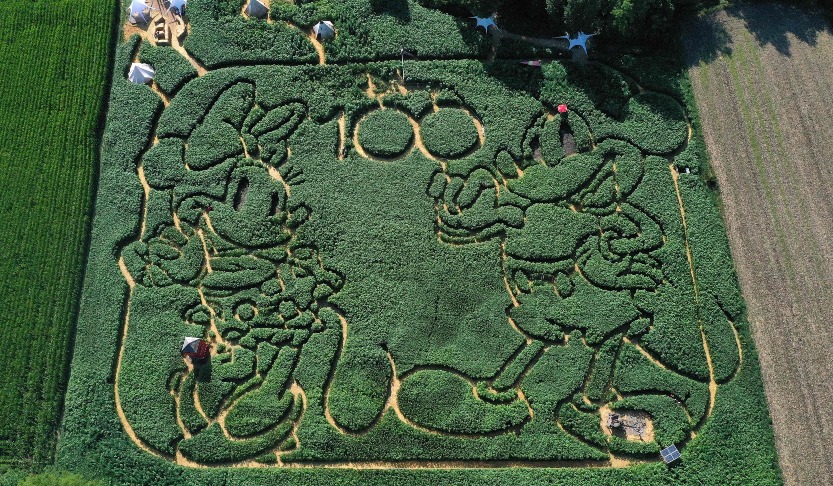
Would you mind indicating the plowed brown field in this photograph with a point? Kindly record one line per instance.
(762, 80)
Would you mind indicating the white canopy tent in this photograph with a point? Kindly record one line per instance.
(485, 22)
(324, 30)
(136, 11)
(256, 9)
(177, 5)
(579, 40)
(191, 345)
(141, 73)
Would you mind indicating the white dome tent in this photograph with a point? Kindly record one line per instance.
(141, 73)
(136, 12)
(324, 30)
(190, 345)
(256, 9)
(178, 6)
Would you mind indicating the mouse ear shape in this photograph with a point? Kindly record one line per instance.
(217, 138)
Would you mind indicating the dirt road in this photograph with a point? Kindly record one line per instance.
(761, 74)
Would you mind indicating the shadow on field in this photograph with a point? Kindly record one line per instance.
(772, 24)
(398, 9)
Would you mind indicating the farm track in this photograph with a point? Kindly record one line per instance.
(767, 113)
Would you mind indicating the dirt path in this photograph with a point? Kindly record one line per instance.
(319, 48)
(117, 396)
(712, 382)
(767, 111)
(201, 70)
(177, 29)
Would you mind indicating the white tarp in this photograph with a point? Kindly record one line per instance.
(177, 5)
(191, 345)
(136, 11)
(324, 30)
(141, 73)
(256, 9)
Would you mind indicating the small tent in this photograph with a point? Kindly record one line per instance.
(324, 30)
(256, 9)
(485, 22)
(194, 348)
(178, 6)
(136, 12)
(579, 40)
(141, 73)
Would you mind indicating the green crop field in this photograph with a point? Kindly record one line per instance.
(54, 60)
(429, 275)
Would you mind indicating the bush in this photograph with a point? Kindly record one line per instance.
(449, 133)
(385, 133)
(172, 70)
(445, 401)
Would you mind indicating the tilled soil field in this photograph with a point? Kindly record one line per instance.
(761, 75)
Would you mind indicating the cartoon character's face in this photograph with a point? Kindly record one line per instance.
(363, 253)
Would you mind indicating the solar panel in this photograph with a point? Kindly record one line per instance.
(670, 454)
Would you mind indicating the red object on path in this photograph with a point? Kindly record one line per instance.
(562, 108)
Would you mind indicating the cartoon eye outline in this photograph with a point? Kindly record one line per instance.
(416, 140)
(369, 153)
(476, 123)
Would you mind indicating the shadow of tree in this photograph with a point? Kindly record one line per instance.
(781, 25)
(705, 39)
(398, 9)
(771, 24)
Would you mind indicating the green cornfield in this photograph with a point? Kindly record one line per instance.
(406, 271)
(54, 58)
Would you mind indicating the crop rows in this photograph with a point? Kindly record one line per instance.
(53, 63)
(767, 122)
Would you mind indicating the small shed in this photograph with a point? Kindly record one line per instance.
(255, 8)
(136, 12)
(324, 30)
(141, 73)
(194, 348)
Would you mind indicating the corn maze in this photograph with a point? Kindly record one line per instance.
(441, 272)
